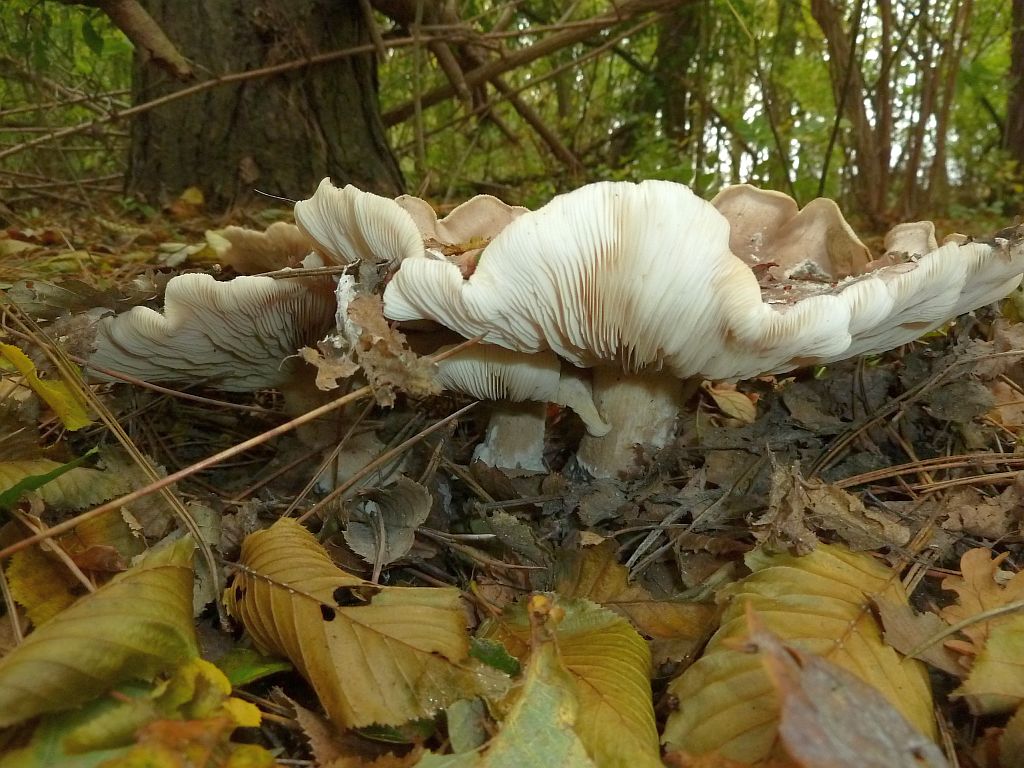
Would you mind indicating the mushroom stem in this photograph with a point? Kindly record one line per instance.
(642, 409)
(515, 437)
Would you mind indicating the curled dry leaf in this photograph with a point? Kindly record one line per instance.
(136, 625)
(384, 355)
(732, 402)
(817, 603)
(67, 404)
(383, 525)
(373, 654)
(797, 508)
(609, 665)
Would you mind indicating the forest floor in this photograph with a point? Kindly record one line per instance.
(862, 513)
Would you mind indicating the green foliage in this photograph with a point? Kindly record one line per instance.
(708, 93)
(60, 65)
(712, 93)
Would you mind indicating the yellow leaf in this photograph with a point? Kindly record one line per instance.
(594, 573)
(135, 626)
(75, 489)
(732, 402)
(609, 665)
(538, 731)
(818, 603)
(996, 680)
(61, 398)
(41, 585)
(373, 654)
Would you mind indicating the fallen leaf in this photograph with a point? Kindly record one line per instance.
(609, 665)
(1011, 743)
(905, 630)
(995, 683)
(594, 573)
(64, 401)
(382, 526)
(829, 716)
(373, 654)
(61, 486)
(539, 730)
(731, 402)
(136, 625)
(818, 603)
(384, 355)
(981, 587)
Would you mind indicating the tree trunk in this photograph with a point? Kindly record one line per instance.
(1013, 135)
(870, 180)
(278, 134)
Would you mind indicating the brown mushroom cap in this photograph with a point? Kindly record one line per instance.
(280, 245)
(767, 226)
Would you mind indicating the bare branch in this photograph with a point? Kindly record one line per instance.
(145, 34)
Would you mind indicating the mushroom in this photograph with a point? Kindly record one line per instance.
(813, 243)
(520, 386)
(348, 225)
(280, 245)
(240, 334)
(639, 279)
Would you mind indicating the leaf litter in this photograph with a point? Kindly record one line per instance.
(465, 615)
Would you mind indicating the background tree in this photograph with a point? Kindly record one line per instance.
(896, 108)
(280, 134)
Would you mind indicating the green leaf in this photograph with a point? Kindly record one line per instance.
(244, 665)
(10, 496)
(494, 654)
(133, 627)
(92, 38)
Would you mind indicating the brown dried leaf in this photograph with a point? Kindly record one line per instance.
(331, 366)
(731, 402)
(797, 507)
(967, 511)
(981, 586)
(905, 630)
(384, 355)
(383, 525)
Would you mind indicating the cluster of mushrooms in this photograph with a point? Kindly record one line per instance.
(605, 300)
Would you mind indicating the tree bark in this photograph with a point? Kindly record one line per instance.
(1013, 132)
(279, 134)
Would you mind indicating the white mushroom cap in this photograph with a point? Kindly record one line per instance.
(349, 225)
(642, 275)
(493, 373)
(519, 386)
(766, 226)
(280, 245)
(238, 334)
